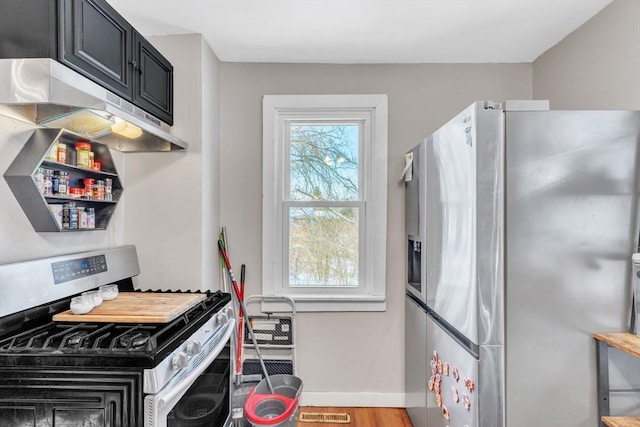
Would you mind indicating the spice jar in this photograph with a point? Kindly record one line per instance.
(83, 155)
(82, 218)
(91, 218)
(73, 217)
(70, 216)
(48, 182)
(75, 192)
(60, 183)
(52, 154)
(54, 182)
(88, 188)
(98, 190)
(61, 153)
(108, 186)
(38, 177)
(66, 211)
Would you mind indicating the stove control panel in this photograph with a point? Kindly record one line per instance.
(196, 352)
(64, 271)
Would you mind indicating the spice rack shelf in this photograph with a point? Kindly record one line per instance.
(85, 202)
(628, 343)
(70, 168)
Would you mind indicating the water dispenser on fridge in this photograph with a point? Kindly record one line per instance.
(415, 187)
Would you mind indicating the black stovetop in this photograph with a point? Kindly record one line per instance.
(42, 342)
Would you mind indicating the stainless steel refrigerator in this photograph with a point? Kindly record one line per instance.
(527, 219)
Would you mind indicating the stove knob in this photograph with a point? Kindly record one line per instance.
(221, 318)
(228, 311)
(193, 348)
(180, 361)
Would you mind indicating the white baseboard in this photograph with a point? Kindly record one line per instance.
(370, 400)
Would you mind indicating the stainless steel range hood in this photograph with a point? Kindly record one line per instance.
(46, 93)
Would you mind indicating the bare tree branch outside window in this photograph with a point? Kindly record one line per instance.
(323, 241)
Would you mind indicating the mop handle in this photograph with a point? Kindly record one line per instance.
(240, 327)
(244, 310)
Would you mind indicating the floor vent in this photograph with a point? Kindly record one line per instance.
(328, 417)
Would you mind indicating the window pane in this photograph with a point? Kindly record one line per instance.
(324, 161)
(323, 246)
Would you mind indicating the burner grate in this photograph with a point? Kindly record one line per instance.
(83, 336)
(136, 338)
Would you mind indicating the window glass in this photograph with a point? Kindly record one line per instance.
(324, 161)
(323, 246)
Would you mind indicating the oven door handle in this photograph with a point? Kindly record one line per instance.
(174, 394)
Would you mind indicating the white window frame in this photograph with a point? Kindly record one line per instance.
(372, 112)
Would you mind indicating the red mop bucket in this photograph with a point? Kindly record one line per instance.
(277, 409)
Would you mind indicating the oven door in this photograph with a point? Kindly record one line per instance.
(202, 396)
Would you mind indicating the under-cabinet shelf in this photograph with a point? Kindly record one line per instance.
(93, 191)
(627, 343)
(621, 421)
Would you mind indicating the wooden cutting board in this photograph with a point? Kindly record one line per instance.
(137, 307)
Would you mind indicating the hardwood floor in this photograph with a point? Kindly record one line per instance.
(362, 417)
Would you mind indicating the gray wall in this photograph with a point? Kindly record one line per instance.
(172, 199)
(597, 66)
(346, 358)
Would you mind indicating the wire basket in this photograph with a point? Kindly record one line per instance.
(277, 409)
(270, 408)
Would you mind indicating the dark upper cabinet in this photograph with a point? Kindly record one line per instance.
(90, 37)
(98, 42)
(153, 79)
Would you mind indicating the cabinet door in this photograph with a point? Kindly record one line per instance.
(97, 44)
(153, 88)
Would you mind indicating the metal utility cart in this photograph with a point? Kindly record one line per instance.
(274, 331)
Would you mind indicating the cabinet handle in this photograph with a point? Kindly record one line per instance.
(134, 64)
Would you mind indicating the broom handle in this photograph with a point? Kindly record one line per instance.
(244, 310)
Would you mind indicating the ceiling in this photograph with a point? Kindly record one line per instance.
(366, 31)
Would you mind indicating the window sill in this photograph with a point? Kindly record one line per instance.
(327, 302)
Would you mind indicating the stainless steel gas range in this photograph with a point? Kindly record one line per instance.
(99, 374)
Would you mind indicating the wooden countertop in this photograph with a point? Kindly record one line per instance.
(629, 343)
(621, 421)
